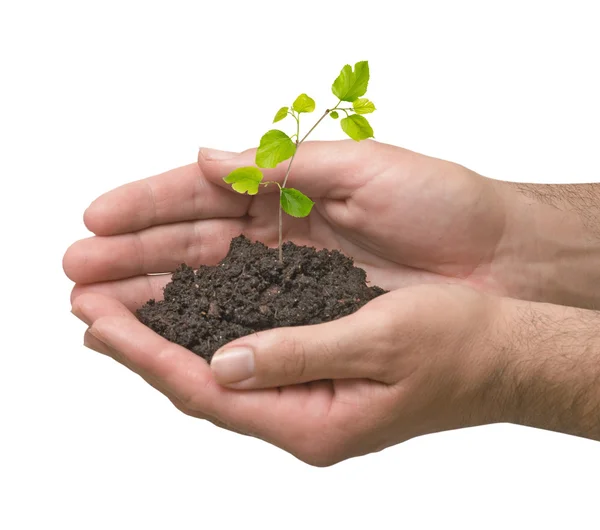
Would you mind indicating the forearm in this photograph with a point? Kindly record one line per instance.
(549, 376)
(551, 248)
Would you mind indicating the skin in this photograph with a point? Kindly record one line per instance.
(450, 345)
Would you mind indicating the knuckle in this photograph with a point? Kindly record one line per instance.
(292, 358)
(319, 461)
(319, 457)
(385, 342)
(369, 145)
(381, 369)
(187, 402)
(194, 402)
(182, 407)
(319, 447)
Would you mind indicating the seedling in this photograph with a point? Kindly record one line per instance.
(276, 146)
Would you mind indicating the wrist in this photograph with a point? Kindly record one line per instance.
(548, 252)
(548, 367)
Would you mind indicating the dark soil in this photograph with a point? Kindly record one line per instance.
(250, 290)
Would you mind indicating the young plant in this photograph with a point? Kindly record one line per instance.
(276, 146)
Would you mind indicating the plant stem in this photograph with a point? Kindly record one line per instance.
(297, 118)
(315, 125)
(287, 173)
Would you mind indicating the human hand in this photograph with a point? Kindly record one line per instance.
(405, 218)
(408, 219)
(410, 362)
(414, 361)
(374, 202)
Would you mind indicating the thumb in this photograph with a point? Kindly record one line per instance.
(321, 169)
(355, 346)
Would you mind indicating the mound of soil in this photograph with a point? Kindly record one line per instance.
(250, 290)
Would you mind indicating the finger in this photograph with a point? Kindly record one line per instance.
(181, 194)
(92, 343)
(283, 418)
(153, 250)
(90, 308)
(177, 371)
(131, 292)
(321, 169)
(356, 346)
(179, 374)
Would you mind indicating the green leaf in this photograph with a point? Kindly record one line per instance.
(357, 127)
(275, 147)
(351, 84)
(363, 106)
(341, 86)
(304, 103)
(361, 81)
(245, 179)
(295, 203)
(281, 113)
(334, 114)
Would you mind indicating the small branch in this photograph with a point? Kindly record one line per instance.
(287, 173)
(315, 125)
(293, 115)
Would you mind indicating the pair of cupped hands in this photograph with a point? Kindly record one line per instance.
(420, 359)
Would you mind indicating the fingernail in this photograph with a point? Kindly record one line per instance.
(94, 333)
(233, 365)
(91, 342)
(215, 154)
(79, 314)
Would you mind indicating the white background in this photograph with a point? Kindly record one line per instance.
(95, 94)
